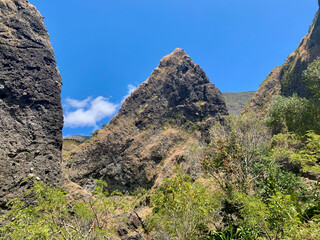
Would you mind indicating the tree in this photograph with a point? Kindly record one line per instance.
(311, 77)
(234, 152)
(293, 114)
(309, 156)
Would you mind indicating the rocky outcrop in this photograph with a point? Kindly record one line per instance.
(176, 106)
(31, 117)
(287, 79)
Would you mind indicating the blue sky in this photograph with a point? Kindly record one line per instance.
(105, 48)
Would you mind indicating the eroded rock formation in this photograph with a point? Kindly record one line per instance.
(31, 117)
(175, 107)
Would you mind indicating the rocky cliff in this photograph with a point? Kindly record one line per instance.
(307, 51)
(166, 115)
(287, 79)
(31, 117)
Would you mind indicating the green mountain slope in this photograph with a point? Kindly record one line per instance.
(236, 101)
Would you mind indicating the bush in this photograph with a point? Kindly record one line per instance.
(311, 77)
(182, 209)
(51, 215)
(309, 155)
(235, 151)
(293, 114)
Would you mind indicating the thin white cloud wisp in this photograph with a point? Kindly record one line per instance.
(77, 103)
(131, 88)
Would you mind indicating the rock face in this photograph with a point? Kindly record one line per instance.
(31, 117)
(287, 79)
(148, 136)
(291, 72)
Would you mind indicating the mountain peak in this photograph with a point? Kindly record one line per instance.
(174, 58)
(151, 127)
(176, 86)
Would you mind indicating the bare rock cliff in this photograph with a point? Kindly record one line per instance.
(157, 123)
(287, 79)
(31, 117)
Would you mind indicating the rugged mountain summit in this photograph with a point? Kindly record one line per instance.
(31, 117)
(177, 89)
(174, 108)
(287, 79)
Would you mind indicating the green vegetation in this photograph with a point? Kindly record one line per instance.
(237, 101)
(314, 20)
(94, 133)
(182, 209)
(311, 77)
(52, 216)
(260, 181)
(294, 114)
(249, 192)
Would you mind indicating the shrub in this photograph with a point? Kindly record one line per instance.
(309, 155)
(293, 114)
(51, 215)
(232, 156)
(311, 77)
(181, 209)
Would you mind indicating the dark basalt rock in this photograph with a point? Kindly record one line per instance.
(31, 117)
(130, 151)
(175, 89)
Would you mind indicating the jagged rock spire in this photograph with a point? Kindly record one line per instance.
(176, 87)
(144, 142)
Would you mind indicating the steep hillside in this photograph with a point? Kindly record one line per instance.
(157, 124)
(261, 100)
(236, 101)
(30, 109)
(307, 51)
(287, 79)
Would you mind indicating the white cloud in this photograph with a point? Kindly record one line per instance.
(131, 88)
(88, 112)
